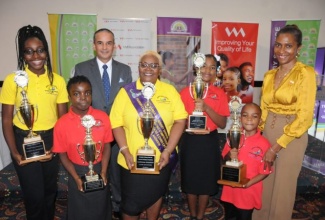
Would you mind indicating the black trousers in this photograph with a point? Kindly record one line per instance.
(38, 180)
(115, 178)
(234, 213)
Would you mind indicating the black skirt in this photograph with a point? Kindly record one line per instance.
(140, 191)
(90, 205)
(200, 163)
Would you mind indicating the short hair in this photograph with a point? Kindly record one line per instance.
(235, 70)
(152, 53)
(25, 33)
(214, 59)
(224, 58)
(103, 30)
(165, 55)
(241, 69)
(77, 80)
(252, 104)
(293, 30)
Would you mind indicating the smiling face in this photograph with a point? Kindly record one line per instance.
(250, 118)
(104, 45)
(149, 69)
(230, 81)
(208, 71)
(80, 97)
(35, 55)
(286, 49)
(248, 73)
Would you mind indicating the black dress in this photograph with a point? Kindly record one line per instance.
(200, 163)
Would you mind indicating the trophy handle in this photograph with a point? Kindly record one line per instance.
(190, 89)
(206, 90)
(100, 149)
(81, 154)
(35, 112)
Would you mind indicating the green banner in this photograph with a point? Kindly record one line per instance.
(71, 40)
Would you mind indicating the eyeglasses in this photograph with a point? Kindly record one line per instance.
(30, 52)
(152, 66)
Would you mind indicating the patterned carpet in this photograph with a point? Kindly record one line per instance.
(309, 205)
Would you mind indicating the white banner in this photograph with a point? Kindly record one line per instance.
(132, 39)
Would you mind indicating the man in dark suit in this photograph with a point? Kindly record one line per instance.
(119, 75)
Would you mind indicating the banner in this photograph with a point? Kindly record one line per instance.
(132, 39)
(235, 44)
(71, 40)
(310, 31)
(177, 40)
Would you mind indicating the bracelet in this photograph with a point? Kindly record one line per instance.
(123, 148)
(276, 154)
(167, 151)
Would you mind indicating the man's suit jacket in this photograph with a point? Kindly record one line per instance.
(121, 75)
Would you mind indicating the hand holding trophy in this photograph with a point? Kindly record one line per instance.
(198, 90)
(91, 180)
(33, 147)
(233, 173)
(146, 155)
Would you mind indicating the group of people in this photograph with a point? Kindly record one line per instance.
(273, 158)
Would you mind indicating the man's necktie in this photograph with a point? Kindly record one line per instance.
(106, 83)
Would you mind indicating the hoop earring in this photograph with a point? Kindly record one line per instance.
(297, 55)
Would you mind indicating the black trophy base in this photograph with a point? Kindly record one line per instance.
(197, 124)
(34, 150)
(92, 185)
(145, 163)
(233, 176)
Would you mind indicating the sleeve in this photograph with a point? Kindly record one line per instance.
(223, 105)
(305, 103)
(116, 114)
(179, 108)
(59, 143)
(263, 105)
(225, 150)
(8, 91)
(63, 93)
(108, 130)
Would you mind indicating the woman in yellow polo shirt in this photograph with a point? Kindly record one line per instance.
(46, 91)
(144, 191)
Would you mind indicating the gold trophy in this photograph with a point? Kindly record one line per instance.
(198, 90)
(146, 155)
(33, 147)
(91, 180)
(233, 173)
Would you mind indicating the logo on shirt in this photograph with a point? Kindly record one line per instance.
(162, 99)
(51, 89)
(256, 153)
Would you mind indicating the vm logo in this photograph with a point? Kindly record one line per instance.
(235, 32)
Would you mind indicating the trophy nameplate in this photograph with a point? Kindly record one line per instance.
(146, 155)
(233, 173)
(91, 181)
(33, 146)
(198, 90)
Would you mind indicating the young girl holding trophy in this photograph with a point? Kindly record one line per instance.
(82, 138)
(47, 94)
(239, 202)
(200, 153)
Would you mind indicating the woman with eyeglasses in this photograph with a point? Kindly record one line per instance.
(46, 91)
(144, 192)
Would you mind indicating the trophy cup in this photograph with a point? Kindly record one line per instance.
(146, 155)
(233, 173)
(33, 146)
(91, 180)
(198, 90)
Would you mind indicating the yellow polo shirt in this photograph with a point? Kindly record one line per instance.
(41, 94)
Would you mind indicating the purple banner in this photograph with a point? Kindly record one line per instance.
(177, 26)
(276, 26)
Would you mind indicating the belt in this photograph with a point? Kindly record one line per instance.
(26, 132)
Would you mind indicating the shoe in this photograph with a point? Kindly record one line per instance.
(193, 218)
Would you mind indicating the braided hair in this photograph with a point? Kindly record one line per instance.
(23, 35)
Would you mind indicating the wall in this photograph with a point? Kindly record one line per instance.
(17, 13)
